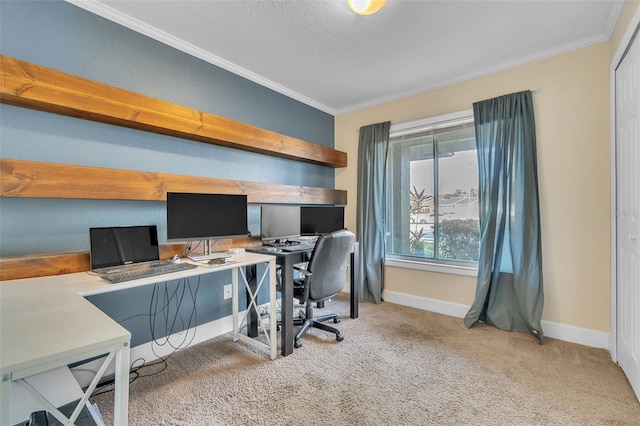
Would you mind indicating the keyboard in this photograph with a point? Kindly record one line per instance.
(148, 271)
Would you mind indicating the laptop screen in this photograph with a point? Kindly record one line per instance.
(123, 245)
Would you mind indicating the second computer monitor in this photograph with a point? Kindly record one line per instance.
(318, 220)
(193, 216)
(279, 222)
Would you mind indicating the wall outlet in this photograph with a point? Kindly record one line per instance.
(227, 291)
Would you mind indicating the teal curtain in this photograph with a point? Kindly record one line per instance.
(371, 207)
(509, 291)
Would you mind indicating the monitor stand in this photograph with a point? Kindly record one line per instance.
(208, 255)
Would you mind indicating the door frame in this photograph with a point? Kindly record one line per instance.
(617, 58)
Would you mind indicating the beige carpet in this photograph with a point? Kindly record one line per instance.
(396, 366)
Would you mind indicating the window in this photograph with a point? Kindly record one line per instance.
(432, 202)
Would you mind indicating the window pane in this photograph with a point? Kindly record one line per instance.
(421, 217)
(432, 187)
(410, 195)
(459, 232)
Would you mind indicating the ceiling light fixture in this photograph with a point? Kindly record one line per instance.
(366, 7)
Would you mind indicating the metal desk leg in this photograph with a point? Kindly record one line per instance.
(5, 398)
(252, 327)
(252, 305)
(234, 302)
(273, 308)
(354, 281)
(120, 398)
(121, 395)
(286, 313)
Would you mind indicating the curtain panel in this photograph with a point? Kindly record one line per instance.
(371, 207)
(509, 291)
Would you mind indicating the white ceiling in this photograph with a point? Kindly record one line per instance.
(321, 53)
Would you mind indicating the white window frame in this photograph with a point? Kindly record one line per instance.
(426, 124)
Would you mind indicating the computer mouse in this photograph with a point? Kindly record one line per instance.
(176, 259)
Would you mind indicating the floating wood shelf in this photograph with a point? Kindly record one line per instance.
(32, 179)
(33, 86)
(45, 264)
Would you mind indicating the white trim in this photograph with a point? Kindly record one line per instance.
(456, 310)
(569, 47)
(84, 373)
(612, 160)
(624, 44)
(573, 334)
(555, 330)
(138, 26)
(421, 125)
(440, 121)
(432, 267)
(612, 18)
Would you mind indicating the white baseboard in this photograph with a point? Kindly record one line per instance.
(426, 304)
(150, 351)
(555, 330)
(573, 334)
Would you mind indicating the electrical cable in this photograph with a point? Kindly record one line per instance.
(164, 311)
(170, 330)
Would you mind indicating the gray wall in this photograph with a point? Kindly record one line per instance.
(62, 36)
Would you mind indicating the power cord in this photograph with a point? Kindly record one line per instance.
(176, 296)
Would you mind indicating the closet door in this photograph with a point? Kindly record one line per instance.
(628, 213)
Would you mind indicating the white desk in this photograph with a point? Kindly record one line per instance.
(46, 323)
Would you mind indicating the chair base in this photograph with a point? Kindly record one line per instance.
(316, 322)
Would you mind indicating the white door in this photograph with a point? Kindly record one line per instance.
(628, 214)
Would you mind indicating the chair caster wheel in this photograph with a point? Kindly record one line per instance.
(297, 344)
(339, 337)
(336, 320)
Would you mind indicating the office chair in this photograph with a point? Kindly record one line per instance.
(323, 278)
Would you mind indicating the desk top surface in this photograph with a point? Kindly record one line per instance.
(46, 320)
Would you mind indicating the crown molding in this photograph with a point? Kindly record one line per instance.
(612, 19)
(138, 26)
(113, 15)
(524, 60)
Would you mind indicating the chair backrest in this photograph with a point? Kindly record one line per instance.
(328, 264)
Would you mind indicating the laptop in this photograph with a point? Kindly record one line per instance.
(124, 253)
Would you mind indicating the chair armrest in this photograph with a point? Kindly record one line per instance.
(302, 271)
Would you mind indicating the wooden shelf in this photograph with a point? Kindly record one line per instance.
(45, 264)
(32, 86)
(32, 179)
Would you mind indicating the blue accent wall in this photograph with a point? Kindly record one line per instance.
(61, 36)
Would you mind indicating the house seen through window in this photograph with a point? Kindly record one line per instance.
(432, 199)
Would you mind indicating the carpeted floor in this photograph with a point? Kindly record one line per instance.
(396, 366)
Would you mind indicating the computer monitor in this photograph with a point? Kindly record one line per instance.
(318, 220)
(121, 245)
(193, 216)
(279, 222)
